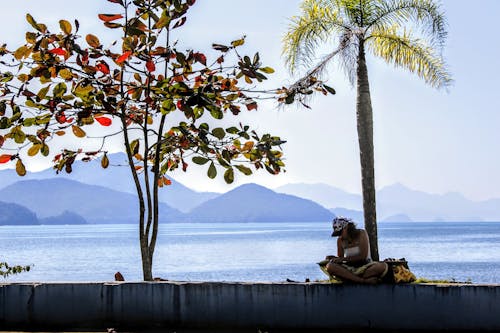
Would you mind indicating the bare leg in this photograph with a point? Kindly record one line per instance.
(343, 273)
(375, 271)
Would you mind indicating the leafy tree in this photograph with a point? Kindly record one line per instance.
(162, 101)
(6, 270)
(383, 28)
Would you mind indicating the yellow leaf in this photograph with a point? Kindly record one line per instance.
(248, 145)
(21, 52)
(65, 74)
(34, 150)
(78, 132)
(105, 161)
(65, 26)
(20, 169)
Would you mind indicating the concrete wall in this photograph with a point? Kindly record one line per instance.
(123, 305)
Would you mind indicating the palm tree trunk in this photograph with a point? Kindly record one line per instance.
(365, 137)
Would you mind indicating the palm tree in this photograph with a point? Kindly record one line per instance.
(382, 28)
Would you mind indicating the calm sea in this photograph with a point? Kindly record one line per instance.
(244, 251)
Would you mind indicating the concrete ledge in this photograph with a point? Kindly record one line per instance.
(125, 305)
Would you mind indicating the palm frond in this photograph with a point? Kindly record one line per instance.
(425, 14)
(307, 32)
(349, 59)
(413, 54)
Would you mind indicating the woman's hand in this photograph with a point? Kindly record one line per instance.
(338, 260)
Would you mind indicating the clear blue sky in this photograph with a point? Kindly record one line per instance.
(434, 141)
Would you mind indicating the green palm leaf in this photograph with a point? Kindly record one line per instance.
(413, 54)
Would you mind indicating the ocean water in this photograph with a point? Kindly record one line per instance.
(465, 251)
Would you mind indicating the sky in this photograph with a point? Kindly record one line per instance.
(436, 141)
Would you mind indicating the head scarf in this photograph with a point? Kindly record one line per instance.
(339, 223)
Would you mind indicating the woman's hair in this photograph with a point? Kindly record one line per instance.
(352, 232)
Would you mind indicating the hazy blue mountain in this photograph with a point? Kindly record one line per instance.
(97, 204)
(116, 177)
(14, 214)
(398, 218)
(65, 217)
(422, 206)
(326, 195)
(255, 203)
(398, 199)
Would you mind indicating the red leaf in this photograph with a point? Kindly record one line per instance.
(124, 57)
(167, 181)
(150, 65)
(252, 106)
(58, 51)
(61, 118)
(109, 17)
(184, 166)
(190, 2)
(5, 158)
(117, 1)
(103, 67)
(2, 140)
(104, 121)
(201, 58)
(180, 104)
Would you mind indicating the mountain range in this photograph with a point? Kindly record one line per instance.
(108, 195)
(398, 201)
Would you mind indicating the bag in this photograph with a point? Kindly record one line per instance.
(398, 271)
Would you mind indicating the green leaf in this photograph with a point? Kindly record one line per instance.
(134, 147)
(60, 89)
(45, 150)
(167, 106)
(329, 89)
(19, 136)
(243, 169)
(219, 133)
(216, 112)
(200, 160)
(43, 92)
(27, 122)
(229, 176)
(267, 70)
(232, 130)
(212, 171)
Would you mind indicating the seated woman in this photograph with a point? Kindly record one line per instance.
(353, 261)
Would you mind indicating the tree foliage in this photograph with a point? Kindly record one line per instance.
(6, 270)
(383, 28)
(61, 86)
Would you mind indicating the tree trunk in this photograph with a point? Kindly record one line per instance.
(147, 262)
(365, 137)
